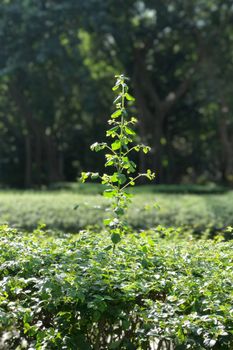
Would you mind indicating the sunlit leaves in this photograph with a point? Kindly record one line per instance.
(129, 97)
(118, 158)
(109, 193)
(116, 114)
(94, 176)
(129, 131)
(150, 175)
(116, 145)
(98, 146)
(146, 149)
(169, 287)
(113, 131)
(84, 176)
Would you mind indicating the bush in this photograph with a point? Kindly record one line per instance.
(74, 292)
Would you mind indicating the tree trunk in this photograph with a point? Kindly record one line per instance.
(41, 143)
(54, 161)
(153, 109)
(38, 158)
(28, 162)
(61, 165)
(157, 149)
(151, 114)
(226, 145)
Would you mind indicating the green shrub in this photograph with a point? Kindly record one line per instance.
(73, 292)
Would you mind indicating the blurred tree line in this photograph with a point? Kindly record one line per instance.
(57, 63)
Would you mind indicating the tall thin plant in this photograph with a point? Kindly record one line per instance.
(118, 158)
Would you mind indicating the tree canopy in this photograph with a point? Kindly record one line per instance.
(57, 65)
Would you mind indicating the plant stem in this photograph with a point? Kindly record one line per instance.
(119, 169)
(139, 175)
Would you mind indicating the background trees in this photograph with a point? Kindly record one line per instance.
(57, 63)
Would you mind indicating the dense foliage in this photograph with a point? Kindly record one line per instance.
(74, 293)
(199, 214)
(57, 63)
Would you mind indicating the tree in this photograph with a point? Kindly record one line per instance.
(56, 61)
(163, 45)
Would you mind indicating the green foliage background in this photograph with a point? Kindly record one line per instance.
(57, 63)
(162, 286)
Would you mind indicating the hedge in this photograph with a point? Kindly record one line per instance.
(75, 292)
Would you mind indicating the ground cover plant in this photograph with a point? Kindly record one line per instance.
(201, 214)
(71, 292)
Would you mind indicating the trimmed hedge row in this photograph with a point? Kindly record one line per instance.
(200, 214)
(75, 292)
(96, 188)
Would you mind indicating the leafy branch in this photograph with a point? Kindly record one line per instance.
(118, 158)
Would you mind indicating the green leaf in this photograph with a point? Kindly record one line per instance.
(116, 145)
(116, 114)
(129, 97)
(107, 221)
(117, 85)
(150, 175)
(114, 177)
(146, 149)
(112, 131)
(98, 146)
(122, 178)
(132, 183)
(94, 176)
(133, 120)
(117, 177)
(94, 145)
(116, 238)
(84, 176)
(129, 131)
(109, 193)
(109, 163)
(109, 247)
(105, 178)
(130, 166)
(27, 327)
(119, 211)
